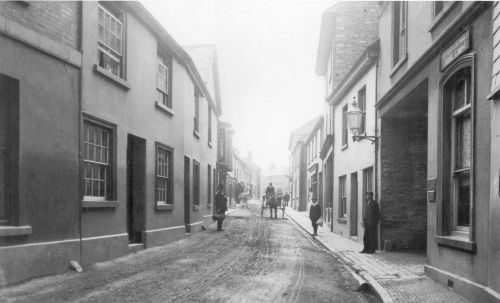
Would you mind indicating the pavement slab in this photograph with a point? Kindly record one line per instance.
(395, 276)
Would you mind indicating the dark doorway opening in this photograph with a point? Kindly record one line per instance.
(136, 183)
(187, 195)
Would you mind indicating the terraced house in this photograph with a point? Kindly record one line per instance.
(108, 139)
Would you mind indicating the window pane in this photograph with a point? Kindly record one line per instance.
(463, 199)
(463, 141)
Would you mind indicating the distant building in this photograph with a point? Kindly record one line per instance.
(298, 165)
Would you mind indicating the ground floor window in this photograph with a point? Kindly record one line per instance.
(164, 188)
(457, 148)
(196, 182)
(97, 151)
(342, 197)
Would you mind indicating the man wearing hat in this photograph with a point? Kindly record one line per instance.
(370, 223)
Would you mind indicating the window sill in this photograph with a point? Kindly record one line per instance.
(456, 242)
(164, 206)
(164, 108)
(344, 147)
(398, 65)
(100, 204)
(111, 77)
(342, 220)
(210, 144)
(196, 207)
(196, 134)
(15, 231)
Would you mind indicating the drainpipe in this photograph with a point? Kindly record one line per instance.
(80, 155)
(377, 142)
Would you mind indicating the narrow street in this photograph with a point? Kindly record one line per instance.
(254, 260)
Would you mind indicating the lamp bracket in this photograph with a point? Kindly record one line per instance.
(373, 139)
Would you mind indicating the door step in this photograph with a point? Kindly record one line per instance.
(354, 238)
(135, 247)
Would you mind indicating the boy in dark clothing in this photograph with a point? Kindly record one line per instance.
(220, 206)
(314, 215)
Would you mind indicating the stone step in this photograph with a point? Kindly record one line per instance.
(135, 247)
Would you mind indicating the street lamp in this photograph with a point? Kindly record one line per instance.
(355, 120)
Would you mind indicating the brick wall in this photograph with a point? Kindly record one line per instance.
(356, 27)
(58, 21)
(404, 172)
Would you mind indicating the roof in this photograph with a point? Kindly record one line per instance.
(302, 132)
(164, 38)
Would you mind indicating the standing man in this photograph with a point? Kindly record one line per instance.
(370, 223)
(286, 198)
(220, 206)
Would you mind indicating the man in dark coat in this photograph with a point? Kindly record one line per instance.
(314, 215)
(220, 206)
(270, 190)
(286, 199)
(370, 223)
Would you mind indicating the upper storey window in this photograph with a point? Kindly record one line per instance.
(163, 81)
(399, 31)
(110, 42)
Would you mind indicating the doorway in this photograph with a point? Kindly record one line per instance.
(187, 195)
(136, 183)
(354, 205)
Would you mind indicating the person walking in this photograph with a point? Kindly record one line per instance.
(220, 206)
(314, 215)
(370, 223)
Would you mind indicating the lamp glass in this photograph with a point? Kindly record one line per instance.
(354, 119)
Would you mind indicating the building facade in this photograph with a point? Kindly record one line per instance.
(437, 141)
(120, 150)
(314, 163)
(347, 30)
(354, 161)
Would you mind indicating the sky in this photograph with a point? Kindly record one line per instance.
(266, 53)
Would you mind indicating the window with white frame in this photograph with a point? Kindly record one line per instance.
(342, 197)
(164, 189)
(362, 108)
(110, 42)
(163, 76)
(399, 31)
(97, 152)
(196, 118)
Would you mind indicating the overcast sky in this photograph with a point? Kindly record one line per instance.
(266, 52)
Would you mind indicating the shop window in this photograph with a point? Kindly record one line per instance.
(209, 184)
(457, 149)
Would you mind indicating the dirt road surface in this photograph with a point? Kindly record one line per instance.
(253, 260)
